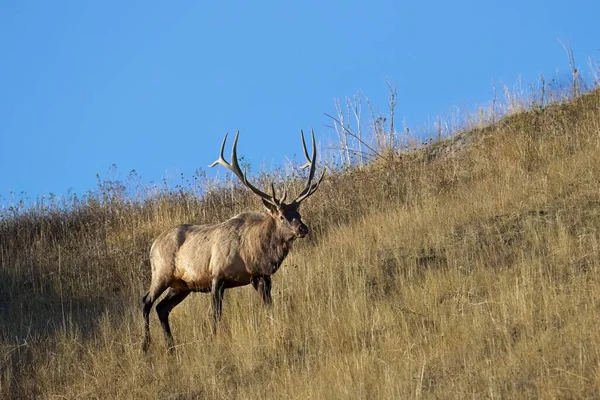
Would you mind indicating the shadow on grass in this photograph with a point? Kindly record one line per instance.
(34, 314)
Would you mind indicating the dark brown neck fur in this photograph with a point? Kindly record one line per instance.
(265, 246)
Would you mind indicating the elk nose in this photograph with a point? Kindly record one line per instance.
(303, 229)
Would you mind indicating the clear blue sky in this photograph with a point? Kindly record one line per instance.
(153, 86)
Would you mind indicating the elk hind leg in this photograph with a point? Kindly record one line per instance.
(154, 293)
(171, 300)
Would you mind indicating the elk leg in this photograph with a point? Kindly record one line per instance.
(217, 291)
(163, 309)
(149, 299)
(263, 287)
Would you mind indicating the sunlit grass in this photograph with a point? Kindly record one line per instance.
(473, 273)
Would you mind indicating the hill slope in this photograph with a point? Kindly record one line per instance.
(453, 271)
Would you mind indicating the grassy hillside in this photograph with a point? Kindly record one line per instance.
(452, 271)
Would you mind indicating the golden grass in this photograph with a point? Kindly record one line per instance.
(444, 275)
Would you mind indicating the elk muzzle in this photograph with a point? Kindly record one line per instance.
(302, 230)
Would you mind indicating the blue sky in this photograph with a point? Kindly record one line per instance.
(154, 86)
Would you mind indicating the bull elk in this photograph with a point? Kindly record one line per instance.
(247, 248)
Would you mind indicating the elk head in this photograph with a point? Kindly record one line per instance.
(285, 214)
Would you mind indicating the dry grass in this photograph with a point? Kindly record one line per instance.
(446, 274)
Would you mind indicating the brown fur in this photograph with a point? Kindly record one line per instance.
(247, 248)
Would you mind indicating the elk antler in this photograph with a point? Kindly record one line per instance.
(234, 167)
(310, 187)
(308, 190)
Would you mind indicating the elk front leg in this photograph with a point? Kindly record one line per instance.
(262, 285)
(217, 292)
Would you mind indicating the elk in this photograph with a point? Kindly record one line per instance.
(245, 249)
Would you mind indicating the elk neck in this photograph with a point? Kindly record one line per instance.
(265, 245)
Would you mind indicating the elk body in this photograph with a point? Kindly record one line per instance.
(246, 249)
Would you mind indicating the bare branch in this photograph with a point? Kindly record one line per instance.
(349, 132)
(574, 70)
(393, 94)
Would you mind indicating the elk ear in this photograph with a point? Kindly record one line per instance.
(272, 208)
